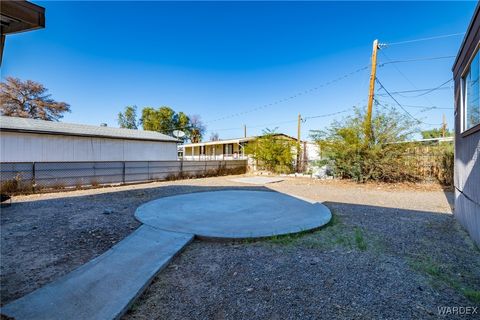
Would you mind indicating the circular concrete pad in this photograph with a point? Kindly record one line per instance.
(233, 214)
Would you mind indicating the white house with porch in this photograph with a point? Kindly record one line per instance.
(231, 149)
(234, 149)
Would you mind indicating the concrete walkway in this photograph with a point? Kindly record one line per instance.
(105, 287)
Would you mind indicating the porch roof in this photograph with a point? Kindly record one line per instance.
(228, 141)
(218, 142)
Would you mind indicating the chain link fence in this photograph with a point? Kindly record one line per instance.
(18, 177)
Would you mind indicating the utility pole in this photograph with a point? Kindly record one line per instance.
(244, 130)
(444, 126)
(368, 119)
(298, 141)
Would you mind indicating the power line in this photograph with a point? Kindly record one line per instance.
(419, 121)
(253, 127)
(326, 115)
(428, 90)
(424, 39)
(291, 97)
(399, 71)
(423, 107)
(404, 76)
(434, 89)
(430, 107)
(416, 60)
(282, 122)
(400, 105)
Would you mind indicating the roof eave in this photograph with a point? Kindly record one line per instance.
(23, 16)
(469, 29)
(2, 129)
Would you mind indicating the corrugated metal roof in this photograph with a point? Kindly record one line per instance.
(74, 129)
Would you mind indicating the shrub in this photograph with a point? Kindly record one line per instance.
(445, 175)
(431, 162)
(272, 152)
(382, 158)
(94, 182)
(16, 186)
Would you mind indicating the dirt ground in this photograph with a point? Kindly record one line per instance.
(389, 252)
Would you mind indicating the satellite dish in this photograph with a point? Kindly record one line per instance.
(178, 133)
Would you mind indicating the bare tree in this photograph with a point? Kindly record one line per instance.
(214, 136)
(29, 99)
(197, 128)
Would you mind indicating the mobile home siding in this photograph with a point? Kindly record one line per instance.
(467, 144)
(39, 147)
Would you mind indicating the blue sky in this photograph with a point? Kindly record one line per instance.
(218, 59)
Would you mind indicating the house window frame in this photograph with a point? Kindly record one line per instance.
(226, 147)
(465, 132)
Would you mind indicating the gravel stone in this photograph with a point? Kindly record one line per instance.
(324, 274)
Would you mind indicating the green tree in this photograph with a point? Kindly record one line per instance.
(128, 119)
(182, 123)
(272, 152)
(383, 158)
(161, 120)
(29, 99)
(166, 120)
(435, 133)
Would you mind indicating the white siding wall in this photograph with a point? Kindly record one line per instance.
(29, 147)
(313, 151)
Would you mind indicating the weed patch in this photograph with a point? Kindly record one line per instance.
(442, 274)
(359, 240)
(333, 234)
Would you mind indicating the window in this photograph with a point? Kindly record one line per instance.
(228, 149)
(471, 94)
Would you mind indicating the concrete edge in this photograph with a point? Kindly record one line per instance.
(260, 238)
(243, 239)
(256, 184)
(188, 237)
(149, 281)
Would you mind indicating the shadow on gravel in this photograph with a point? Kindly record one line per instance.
(42, 240)
(431, 244)
(369, 262)
(450, 196)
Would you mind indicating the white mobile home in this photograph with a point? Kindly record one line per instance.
(231, 149)
(30, 140)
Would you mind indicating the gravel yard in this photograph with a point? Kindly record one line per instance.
(389, 252)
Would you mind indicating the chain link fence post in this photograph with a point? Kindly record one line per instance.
(34, 183)
(123, 173)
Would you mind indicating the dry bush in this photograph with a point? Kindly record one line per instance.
(16, 186)
(58, 185)
(432, 162)
(380, 158)
(94, 183)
